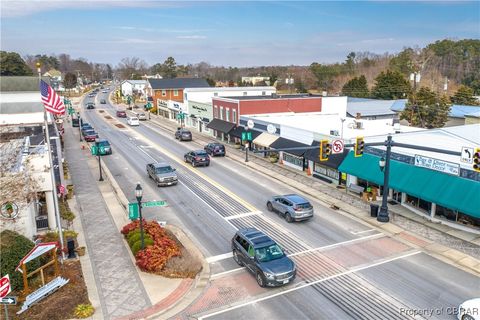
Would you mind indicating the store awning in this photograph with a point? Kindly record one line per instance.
(265, 139)
(220, 125)
(334, 160)
(237, 132)
(281, 143)
(446, 190)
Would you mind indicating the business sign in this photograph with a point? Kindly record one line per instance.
(5, 287)
(437, 165)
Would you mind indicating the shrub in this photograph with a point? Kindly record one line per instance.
(13, 247)
(138, 245)
(137, 237)
(84, 311)
(132, 233)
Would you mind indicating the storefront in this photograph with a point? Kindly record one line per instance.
(291, 158)
(162, 108)
(442, 193)
(221, 128)
(199, 112)
(325, 170)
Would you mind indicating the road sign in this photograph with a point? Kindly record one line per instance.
(161, 203)
(8, 300)
(5, 286)
(94, 150)
(133, 211)
(337, 146)
(467, 155)
(247, 136)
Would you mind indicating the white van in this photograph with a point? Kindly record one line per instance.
(140, 115)
(133, 121)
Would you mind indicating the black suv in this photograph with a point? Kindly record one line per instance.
(197, 157)
(263, 257)
(183, 135)
(215, 149)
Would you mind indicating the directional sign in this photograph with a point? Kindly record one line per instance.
(337, 146)
(8, 300)
(5, 286)
(467, 155)
(247, 136)
(161, 203)
(133, 211)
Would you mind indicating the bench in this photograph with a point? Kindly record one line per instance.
(355, 188)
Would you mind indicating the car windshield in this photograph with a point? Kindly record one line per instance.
(269, 253)
(104, 144)
(134, 119)
(89, 132)
(165, 169)
(201, 153)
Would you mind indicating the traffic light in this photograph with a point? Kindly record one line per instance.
(325, 150)
(359, 145)
(476, 160)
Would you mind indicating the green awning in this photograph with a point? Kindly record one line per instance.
(446, 190)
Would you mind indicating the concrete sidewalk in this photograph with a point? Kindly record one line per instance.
(459, 247)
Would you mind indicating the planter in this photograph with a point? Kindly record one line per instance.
(70, 191)
(80, 251)
(237, 146)
(273, 160)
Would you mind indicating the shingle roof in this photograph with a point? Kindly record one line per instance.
(21, 83)
(178, 83)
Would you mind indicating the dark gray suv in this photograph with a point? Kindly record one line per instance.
(263, 257)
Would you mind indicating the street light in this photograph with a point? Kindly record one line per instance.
(138, 195)
(79, 126)
(247, 144)
(384, 164)
(99, 163)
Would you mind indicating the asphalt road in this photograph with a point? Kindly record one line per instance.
(345, 268)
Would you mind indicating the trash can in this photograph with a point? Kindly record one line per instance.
(374, 210)
(71, 248)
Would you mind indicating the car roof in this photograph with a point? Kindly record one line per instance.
(161, 164)
(256, 237)
(199, 151)
(216, 144)
(102, 140)
(295, 198)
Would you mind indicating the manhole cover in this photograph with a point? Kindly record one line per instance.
(119, 125)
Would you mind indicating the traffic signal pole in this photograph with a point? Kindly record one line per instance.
(383, 213)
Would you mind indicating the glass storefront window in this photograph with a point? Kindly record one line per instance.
(292, 159)
(418, 203)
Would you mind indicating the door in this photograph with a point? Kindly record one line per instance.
(250, 259)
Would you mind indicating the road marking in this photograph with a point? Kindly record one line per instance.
(219, 257)
(378, 235)
(359, 232)
(218, 275)
(241, 215)
(310, 284)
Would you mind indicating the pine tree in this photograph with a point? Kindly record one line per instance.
(391, 85)
(465, 96)
(426, 109)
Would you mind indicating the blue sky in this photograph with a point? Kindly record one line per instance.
(249, 33)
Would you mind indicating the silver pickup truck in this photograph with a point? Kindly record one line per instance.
(162, 173)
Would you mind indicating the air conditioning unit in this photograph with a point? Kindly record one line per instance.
(359, 125)
(334, 133)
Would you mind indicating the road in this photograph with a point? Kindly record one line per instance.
(346, 269)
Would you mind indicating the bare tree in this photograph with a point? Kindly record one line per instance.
(128, 67)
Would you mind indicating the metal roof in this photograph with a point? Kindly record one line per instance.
(370, 107)
(456, 111)
(178, 83)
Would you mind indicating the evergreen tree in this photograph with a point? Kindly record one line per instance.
(356, 87)
(465, 96)
(70, 80)
(426, 109)
(11, 64)
(391, 85)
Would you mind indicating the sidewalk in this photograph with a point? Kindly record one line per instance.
(459, 247)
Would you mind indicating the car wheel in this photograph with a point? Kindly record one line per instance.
(269, 206)
(288, 217)
(185, 159)
(260, 280)
(237, 258)
(207, 164)
(193, 164)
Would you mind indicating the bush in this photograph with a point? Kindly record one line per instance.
(84, 311)
(138, 245)
(13, 247)
(137, 237)
(132, 233)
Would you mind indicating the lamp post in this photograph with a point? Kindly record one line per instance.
(384, 164)
(99, 163)
(79, 126)
(247, 144)
(138, 195)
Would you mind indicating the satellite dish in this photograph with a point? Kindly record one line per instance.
(271, 129)
(250, 124)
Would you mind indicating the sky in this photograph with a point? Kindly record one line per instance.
(228, 33)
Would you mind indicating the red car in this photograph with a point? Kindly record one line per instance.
(90, 136)
(121, 114)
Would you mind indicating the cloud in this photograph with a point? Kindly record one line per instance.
(131, 41)
(192, 37)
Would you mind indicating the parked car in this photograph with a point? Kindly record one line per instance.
(263, 257)
(469, 310)
(90, 105)
(90, 135)
(133, 121)
(103, 101)
(197, 157)
(105, 91)
(121, 114)
(183, 135)
(140, 115)
(291, 206)
(215, 149)
(86, 127)
(75, 122)
(162, 173)
(104, 146)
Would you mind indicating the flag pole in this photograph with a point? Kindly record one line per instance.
(52, 175)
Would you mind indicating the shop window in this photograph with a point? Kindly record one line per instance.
(325, 171)
(227, 114)
(175, 93)
(292, 159)
(221, 113)
(234, 111)
(418, 203)
(447, 213)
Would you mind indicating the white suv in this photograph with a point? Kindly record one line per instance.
(133, 121)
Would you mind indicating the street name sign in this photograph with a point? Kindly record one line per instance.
(161, 203)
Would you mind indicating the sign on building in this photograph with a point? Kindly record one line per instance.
(437, 165)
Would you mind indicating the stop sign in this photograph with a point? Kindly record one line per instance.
(5, 286)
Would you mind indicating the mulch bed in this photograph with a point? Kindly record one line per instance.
(60, 304)
(119, 125)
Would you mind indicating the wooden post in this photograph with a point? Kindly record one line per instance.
(25, 282)
(57, 272)
(42, 276)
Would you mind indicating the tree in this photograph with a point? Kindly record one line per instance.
(350, 63)
(356, 87)
(426, 109)
(391, 85)
(211, 82)
(131, 66)
(70, 80)
(11, 64)
(169, 68)
(403, 62)
(325, 74)
(465, 96)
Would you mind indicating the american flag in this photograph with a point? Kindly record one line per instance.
(51, 100)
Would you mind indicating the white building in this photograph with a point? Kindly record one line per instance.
(130, 87)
